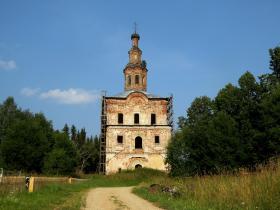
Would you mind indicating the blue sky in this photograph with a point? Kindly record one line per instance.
(57, 55)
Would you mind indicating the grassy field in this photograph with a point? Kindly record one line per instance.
(259, 190)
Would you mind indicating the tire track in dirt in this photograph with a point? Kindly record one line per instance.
(116, 198)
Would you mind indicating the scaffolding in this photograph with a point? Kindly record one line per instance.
(170, 113)
(103, 118)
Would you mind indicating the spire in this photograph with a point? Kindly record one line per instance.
(135, 27)
(135, 37)
(135, 72)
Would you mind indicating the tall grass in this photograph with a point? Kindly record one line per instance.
(259, 190)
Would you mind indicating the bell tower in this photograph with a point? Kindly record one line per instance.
(135, 72)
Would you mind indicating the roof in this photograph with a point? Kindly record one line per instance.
(135, 35)
(126, 93)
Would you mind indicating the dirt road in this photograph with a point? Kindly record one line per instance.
(116, 198)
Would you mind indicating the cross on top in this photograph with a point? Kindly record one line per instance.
(135, 27)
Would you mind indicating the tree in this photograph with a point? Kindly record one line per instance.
(224, 142)
(275, 61)
(187, 152)
(63, 157)
(268, 81)
(207, 147)
(270, 106)
(228, 100)
(182, 121)
(26, 143)
(66, 130)
(178, 155)
(73, 133)
(226, 133)
(8, 113)
(89, 155)
(82, 137)
(242, 104)
(201, 109)
(249, 119)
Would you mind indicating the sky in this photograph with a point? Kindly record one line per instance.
(57, 56)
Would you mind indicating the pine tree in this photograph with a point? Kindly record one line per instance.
(73, 133)
(82, 137)
(66, 130)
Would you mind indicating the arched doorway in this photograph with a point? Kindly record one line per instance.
(138, 166)
(138, 142)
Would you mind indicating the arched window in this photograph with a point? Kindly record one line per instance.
(138, 142)
(137, 79)
(129, 80)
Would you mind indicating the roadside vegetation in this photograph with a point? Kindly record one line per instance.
(243, 190)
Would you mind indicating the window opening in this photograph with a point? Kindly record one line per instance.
(120, 139)
(138, 142)
(136, 118)
(157, 139)
(137, 79)
(153, 119)
(120, 118)
(129, 80)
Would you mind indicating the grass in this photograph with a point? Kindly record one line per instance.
(259, 190)
(66, 196)
(55, 196)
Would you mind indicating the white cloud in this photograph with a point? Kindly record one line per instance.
(71, 96)
(8, 65)
(29, 91)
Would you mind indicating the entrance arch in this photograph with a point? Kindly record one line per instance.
(138, 166)
(138, 143)
(134, 161)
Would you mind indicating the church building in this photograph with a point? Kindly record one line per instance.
(136, 125)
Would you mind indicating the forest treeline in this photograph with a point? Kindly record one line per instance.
(29, 143)
(239, 128)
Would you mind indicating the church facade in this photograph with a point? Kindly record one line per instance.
(136, 126)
